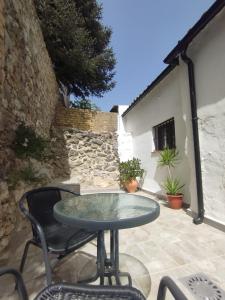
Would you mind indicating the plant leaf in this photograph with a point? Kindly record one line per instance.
(173, 186)
(168, 157)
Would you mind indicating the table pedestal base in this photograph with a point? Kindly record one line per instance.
(139, 273)
(108, 267)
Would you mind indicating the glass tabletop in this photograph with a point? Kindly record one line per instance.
(106, 211)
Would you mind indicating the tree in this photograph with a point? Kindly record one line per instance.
(84, 104)
(78, 44)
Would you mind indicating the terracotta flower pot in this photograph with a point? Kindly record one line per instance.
(175, 201)
(131, 186)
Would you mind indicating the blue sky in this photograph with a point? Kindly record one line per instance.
(144, 32)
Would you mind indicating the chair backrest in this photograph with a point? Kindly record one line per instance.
(40, 204)
(64, 291)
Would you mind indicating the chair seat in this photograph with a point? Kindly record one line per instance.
(63, 239)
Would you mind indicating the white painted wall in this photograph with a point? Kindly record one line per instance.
(161, 104)
(208, 54)
(125, 143)
(170, 98)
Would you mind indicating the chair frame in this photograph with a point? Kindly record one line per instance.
(166, 283)
(94, 292)
(36, 226)
(20, 286)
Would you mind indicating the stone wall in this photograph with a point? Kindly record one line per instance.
(28, 93)
(91, 142)
(93, 158)
(87, 120)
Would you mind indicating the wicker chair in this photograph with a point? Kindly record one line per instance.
(63, 291)
(48, 234)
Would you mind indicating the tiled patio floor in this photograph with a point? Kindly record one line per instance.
(172, 245)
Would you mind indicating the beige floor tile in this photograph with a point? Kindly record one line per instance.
(171, 245)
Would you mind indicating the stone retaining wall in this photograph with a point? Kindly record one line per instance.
(28, 93)
(93, 158)
(86, 120)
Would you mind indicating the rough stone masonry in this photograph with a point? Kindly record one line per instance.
(28, 93)
(93, 158)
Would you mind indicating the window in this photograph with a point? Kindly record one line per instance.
(164, 135)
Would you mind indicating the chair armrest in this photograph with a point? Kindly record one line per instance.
(69, 191)
(167, 283)
(19, 281)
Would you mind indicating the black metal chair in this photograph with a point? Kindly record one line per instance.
(63, 291)
(76, 292)
(48, 234)
(18, 280)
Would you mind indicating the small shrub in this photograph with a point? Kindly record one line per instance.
(84, 104)
(26, 174)
(28, 144)
(130, 169)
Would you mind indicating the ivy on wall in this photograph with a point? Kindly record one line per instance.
(28, 144)
(26, 174)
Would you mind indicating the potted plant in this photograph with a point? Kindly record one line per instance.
(173, 187)
(129, 171)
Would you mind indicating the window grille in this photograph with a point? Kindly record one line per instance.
(164, 135)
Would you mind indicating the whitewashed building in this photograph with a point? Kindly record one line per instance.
(184, 107)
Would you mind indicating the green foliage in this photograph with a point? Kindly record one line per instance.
(26, 174)
(84, 104)
(169, 158)
(130, 169)
(28, 144)
(78, 44)
(173, 186)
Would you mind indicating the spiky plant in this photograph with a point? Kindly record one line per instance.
(169, 158)
(173, 186)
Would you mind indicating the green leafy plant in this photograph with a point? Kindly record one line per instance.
(173, 186)
(26, 174)
(84, 104)
(27, 144)
(130, 169)
(169, 158)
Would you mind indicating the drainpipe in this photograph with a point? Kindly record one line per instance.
(191, 75)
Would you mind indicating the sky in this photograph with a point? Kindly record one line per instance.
(144, 32)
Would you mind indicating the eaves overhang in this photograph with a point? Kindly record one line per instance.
(216, 7)
(161, 76)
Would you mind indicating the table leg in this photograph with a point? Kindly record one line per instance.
(114, 254)
(112, 248)
(100, 260)
(101, 256)
(114, 257)
(108, 267)
(116, 236)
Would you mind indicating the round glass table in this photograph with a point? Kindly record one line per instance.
(107, 211)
